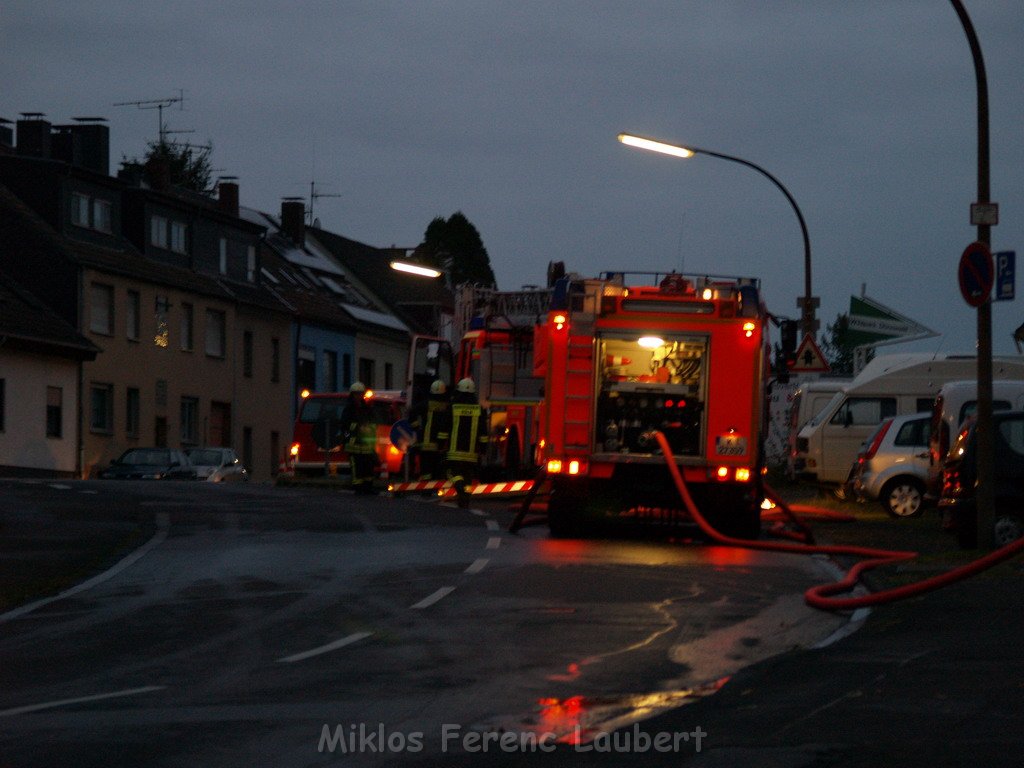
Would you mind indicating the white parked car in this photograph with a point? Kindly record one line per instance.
(892, 466)
(217, 465)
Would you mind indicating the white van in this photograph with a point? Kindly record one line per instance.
(890, 385)
(808, 399)
(956, 401)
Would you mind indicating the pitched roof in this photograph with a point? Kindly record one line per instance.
(27, 323)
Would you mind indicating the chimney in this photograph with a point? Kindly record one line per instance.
(93, 143)
(293, 219)
(227, 195)
(33, 135)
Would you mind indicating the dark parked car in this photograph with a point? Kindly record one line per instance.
(150, 464)
(959, 478)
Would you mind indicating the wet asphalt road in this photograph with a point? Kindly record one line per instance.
(288, 627)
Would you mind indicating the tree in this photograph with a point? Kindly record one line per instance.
(168, 163)
(837, 347)
(454, 245)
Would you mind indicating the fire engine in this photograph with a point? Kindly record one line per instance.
(496, 351)
(682, 355)
(307, 457)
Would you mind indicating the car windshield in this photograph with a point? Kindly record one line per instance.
(148, 456)
(829, 406)
(204, 457)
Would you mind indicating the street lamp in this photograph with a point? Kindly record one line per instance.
(808, 322)
(415, 269)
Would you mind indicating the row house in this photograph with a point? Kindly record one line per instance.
(205, 319)
(194, 350)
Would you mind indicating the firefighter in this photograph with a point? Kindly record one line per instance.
(432, 420)
(361, 440)
(468, 437)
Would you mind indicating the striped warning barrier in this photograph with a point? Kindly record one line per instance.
(419, 486)
(488, 489)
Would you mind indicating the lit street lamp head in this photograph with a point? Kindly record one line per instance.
(414, 269)
(655, 146)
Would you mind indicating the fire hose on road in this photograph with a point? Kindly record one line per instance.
(822, 596)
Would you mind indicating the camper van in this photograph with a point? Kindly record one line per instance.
(810, 398)
(890, 385)
(956, 401)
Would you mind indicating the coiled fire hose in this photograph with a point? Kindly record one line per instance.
(821, 596)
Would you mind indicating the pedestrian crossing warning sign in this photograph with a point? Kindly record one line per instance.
(808, 358)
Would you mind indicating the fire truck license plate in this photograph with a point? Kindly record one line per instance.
(730, 445)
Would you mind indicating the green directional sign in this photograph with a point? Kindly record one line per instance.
(871, 322)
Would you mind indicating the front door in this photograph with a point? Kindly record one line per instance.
(220, 424)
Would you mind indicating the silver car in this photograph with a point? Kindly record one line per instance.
(892, 466)
(217, 465)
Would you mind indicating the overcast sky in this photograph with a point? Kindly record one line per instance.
(864, 109)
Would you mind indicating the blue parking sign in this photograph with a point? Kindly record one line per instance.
(1005, 274)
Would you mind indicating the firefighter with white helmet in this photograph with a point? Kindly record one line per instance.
(432, 420)
(361, 441)
(468, 437)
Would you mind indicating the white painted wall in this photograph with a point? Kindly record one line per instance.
(23, 441)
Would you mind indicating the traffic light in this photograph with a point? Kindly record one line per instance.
(787, 336)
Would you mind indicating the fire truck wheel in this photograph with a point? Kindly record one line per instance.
(563, 521)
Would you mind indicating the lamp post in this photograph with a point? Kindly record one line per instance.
(808, 322)
(985, 498)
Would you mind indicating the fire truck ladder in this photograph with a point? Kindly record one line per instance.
(579, 394)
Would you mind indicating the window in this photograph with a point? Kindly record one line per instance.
(215, 333)
(162, 336)
(101, 408)
(305, 369)
(187, 339)
(179, 232)
(101, 315)
(158, 231)
(275, 360)
(250, 264)
(79, 210)
(54, 412)
(389, 376)
(330, 371)
(247, 354)
(223, 266)
(864, 411)
(132, 311)
(101, 215)
(131, 412)
(914, 433)
(189, 420)
(366, 367)
(346, 370)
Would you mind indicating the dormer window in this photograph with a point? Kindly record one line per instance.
(101, 215)
(179, 232)
(79, 210)
(158, 231)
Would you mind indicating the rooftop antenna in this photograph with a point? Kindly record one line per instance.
(313, 197)
(158, 105)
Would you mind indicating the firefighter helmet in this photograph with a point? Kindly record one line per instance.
(357, 386)
(466, 386)
(438, 388)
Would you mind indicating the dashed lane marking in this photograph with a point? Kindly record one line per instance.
(429, 600)
(494, 542)
(477, 565)
(80, 700)
(349, 640)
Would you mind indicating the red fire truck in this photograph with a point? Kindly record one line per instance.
(686, 356)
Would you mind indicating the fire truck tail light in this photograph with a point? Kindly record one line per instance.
(574, 467)
(559, 321)
(294, 450)
(708, 294)
(748, 329)
(742, 475)
(554, 466)
(722, 473)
